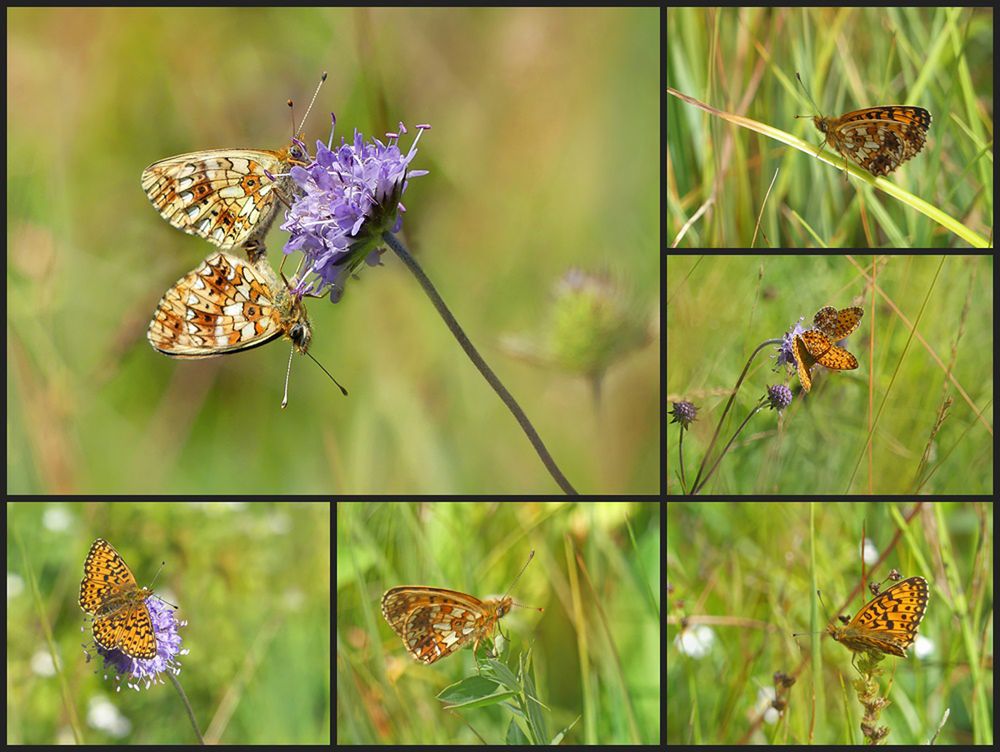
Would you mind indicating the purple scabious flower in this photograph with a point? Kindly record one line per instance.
(349, 196)
(786, 351)
(684, 413)
(779, 397)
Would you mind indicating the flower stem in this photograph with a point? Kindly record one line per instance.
(393, 242)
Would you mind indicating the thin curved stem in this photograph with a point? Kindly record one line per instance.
(393, 242)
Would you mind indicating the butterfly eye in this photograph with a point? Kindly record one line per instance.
(297, 153)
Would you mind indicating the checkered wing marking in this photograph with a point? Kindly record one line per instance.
(111, 594)
(225, 305)
(838, 325)
(435, 622)
(889, 621)
(221, 195)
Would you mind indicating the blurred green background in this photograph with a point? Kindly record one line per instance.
(252, 581)
(543, 156)
(742, 578)
(744, 60)
(595, 650)
(928, 340)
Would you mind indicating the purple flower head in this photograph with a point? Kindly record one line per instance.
(779, 397)
(349, 196)
(684, 413)
(786, 351)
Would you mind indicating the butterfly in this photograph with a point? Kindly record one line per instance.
(879, 139)
(888, 622)
(435, 622)
(109, 592)
(227, 305)
(226, 195)
(223, 195)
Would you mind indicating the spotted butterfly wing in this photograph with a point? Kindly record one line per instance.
(879, 139)
(227, 305)
(222, 195)
(435, 622)
(109, 592)
(826, 353)
(838, 325)
(888, 622)
(803, 362)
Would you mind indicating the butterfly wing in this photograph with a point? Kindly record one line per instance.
(836, 324)
(882, 138)
(221, 195)
(803, 362)
(826, 353)
(223, 306)
(891, 618)
(838, 359)
(816, 343)
(435, 622)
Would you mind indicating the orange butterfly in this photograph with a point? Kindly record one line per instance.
(888, 622)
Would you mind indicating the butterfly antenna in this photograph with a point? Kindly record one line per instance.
(295, 131)
(284, 399)
(530, 557)
(288, 373)
(322, 80)
(800, 634)
(344, 391)
(807, 94)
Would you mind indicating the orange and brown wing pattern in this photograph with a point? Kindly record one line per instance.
(827, 354)
(803, 362)
(226, 305)
(221, 195)
(888, 622)
(105, 578)
(110, 593)
(129, 629)
(879, 139)
(838, 324)
(435, 622)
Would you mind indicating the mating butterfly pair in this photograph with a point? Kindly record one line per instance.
(816, 345)
(226, 304)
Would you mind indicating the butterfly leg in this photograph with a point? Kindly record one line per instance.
(256, 250)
